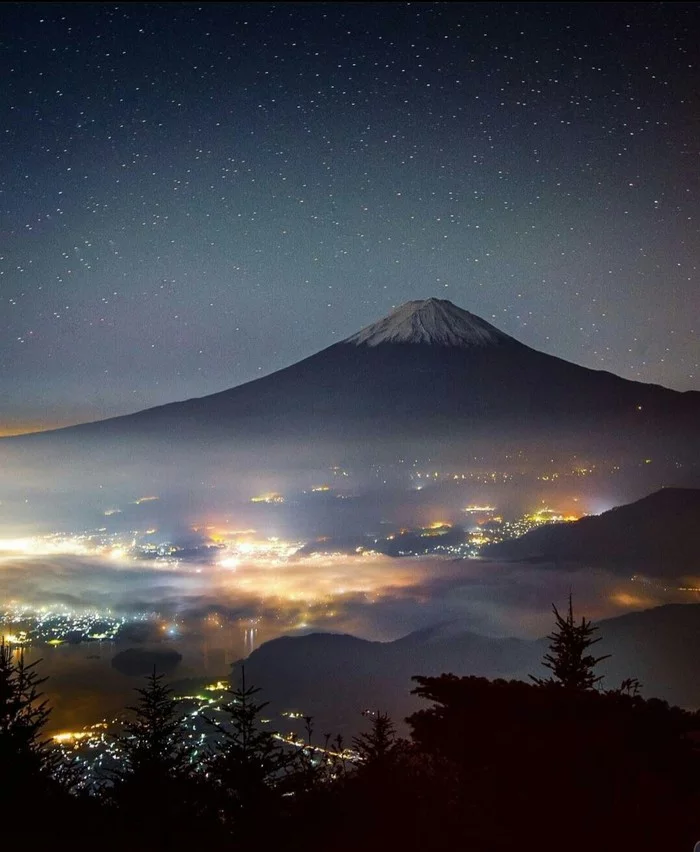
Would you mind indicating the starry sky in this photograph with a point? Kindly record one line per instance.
(194, 195)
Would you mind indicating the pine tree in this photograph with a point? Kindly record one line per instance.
(307, 772)
(315, 768)
(248, 763)
(32, 772)
(25, 757)
(376, 745)
(568, 660)
(155, 786)
(152, 744)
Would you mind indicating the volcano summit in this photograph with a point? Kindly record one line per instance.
(434, 321)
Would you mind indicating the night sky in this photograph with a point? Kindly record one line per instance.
(194, 195)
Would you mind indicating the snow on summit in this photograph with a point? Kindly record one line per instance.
(434, 321)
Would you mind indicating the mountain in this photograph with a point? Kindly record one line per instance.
(335, 677)
(657, 535)
(426, 359)
(430, 380)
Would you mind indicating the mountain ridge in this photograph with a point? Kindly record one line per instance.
(655, 534)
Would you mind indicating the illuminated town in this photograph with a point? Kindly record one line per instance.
(96, 749)
(300, 574)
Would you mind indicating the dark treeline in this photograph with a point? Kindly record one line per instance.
(556, 764)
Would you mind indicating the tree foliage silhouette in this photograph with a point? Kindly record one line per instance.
(375, 746)
(248, 762)
(155, 785)
(152, 743)
(32, 771)
(24, 756)
(606, 764)
(314, 767)
(568, 658)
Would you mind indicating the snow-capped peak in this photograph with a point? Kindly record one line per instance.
(434, 321)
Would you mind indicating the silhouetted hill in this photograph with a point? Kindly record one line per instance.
(658, 533)
(335, 677)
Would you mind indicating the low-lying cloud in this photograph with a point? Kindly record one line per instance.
(372, 596)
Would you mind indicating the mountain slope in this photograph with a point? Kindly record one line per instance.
(657, 533)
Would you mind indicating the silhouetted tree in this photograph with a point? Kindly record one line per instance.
(306, 773)
(153, 743)
(155, 787)
(248, 764)
(372, 805)
(568, 658)
(376, 745)
(314, 791)
(25, 757)
(313, 767)
(604, 769)
(31, 770)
